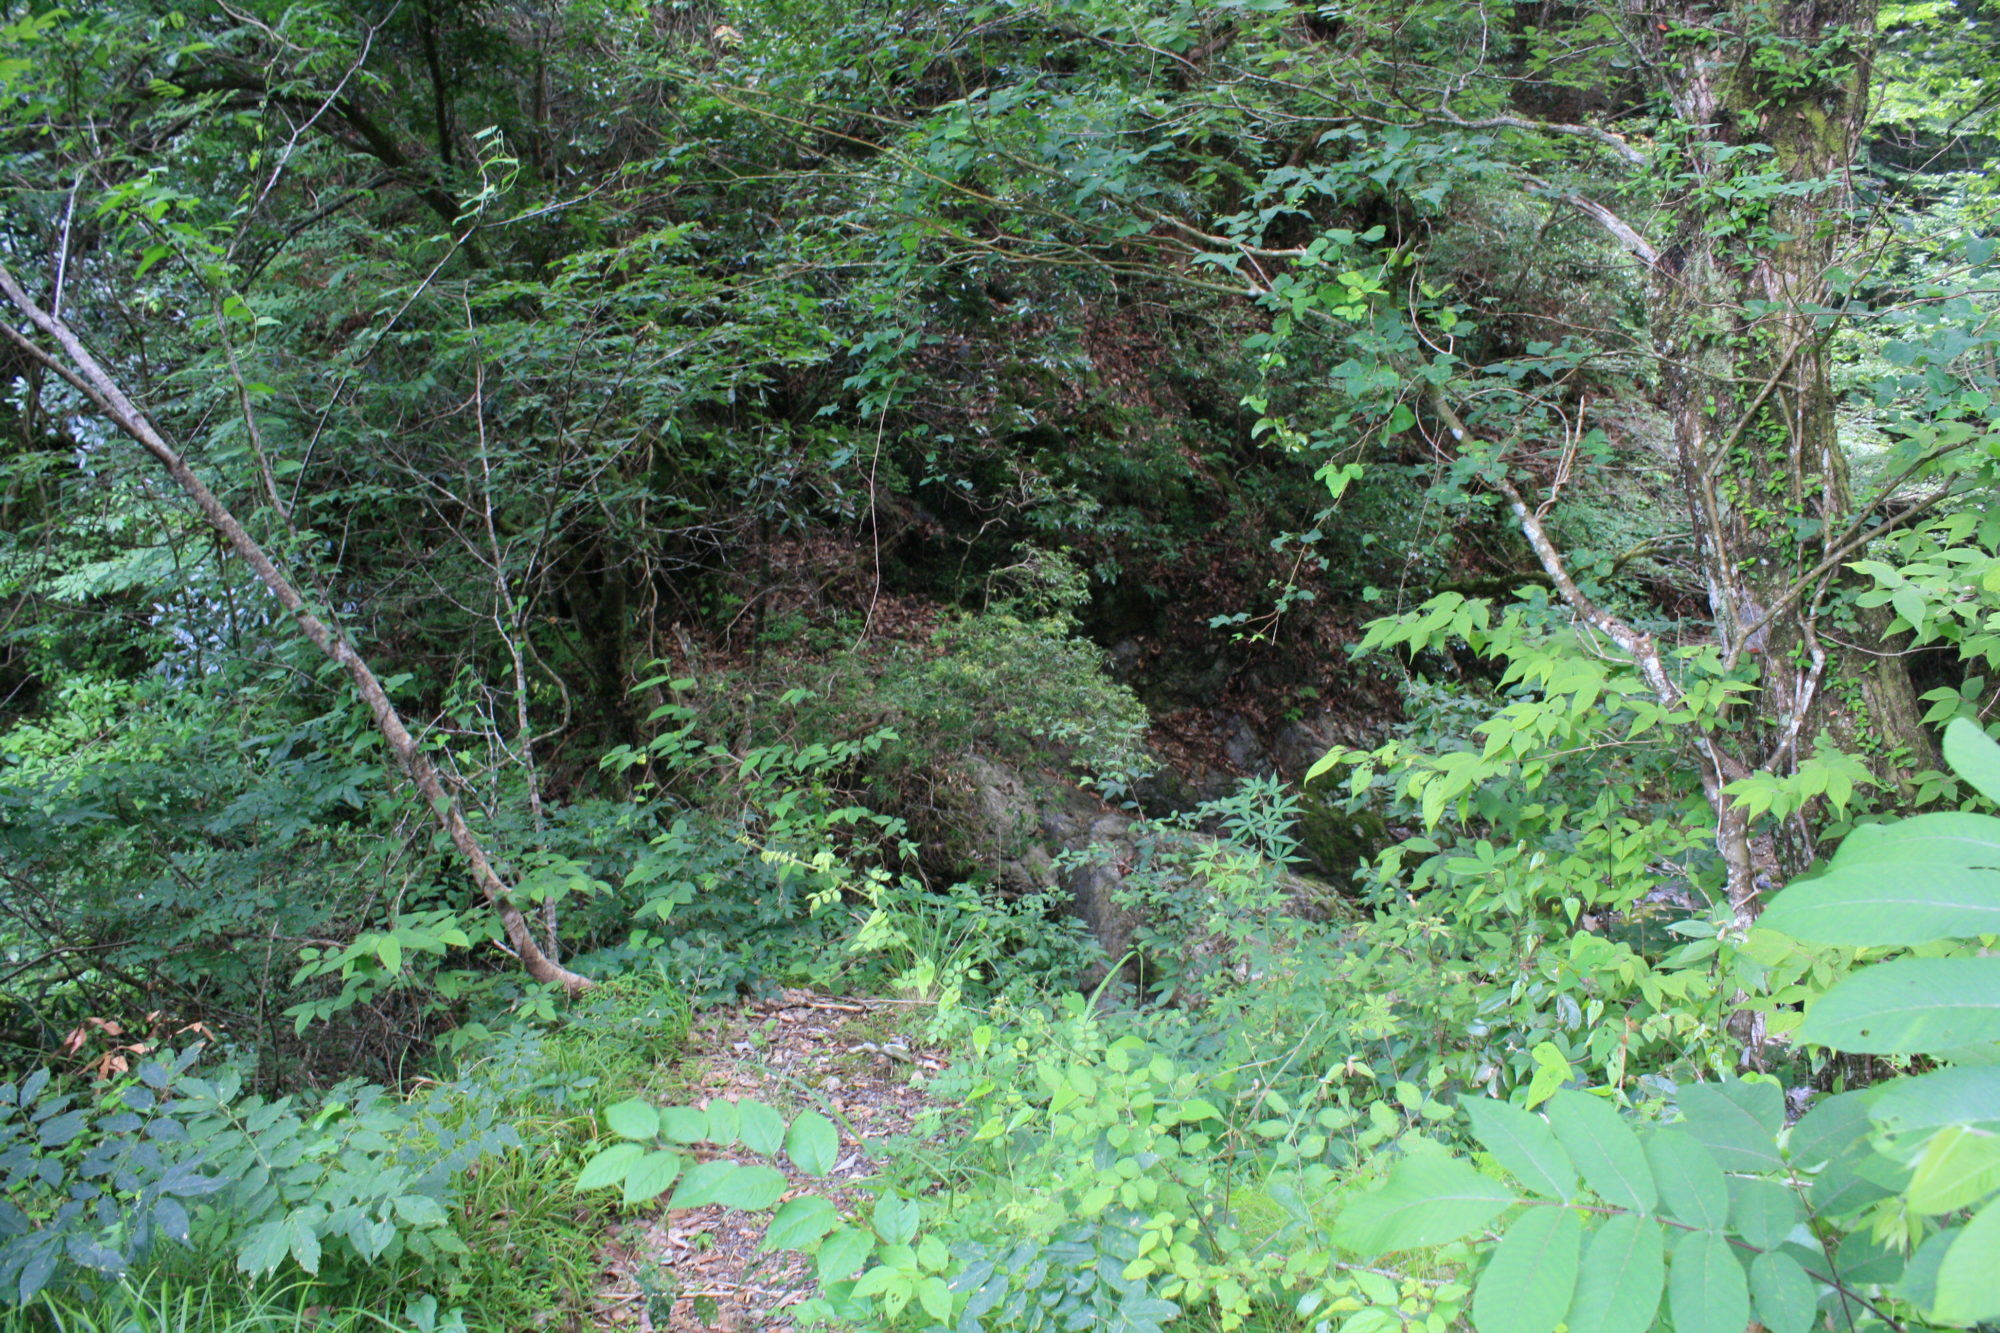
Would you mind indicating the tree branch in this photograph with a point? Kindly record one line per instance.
(90, 378)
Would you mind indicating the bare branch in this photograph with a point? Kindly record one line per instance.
(95, 382)
(1605, 138)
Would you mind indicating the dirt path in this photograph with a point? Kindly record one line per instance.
(700, 1270)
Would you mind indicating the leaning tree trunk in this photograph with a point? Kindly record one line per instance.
(97, 384)
(1767, 105)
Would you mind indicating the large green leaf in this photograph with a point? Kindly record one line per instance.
(1974, 756)
(723, 1121)
(761, 1129)
(1527, 1284)
(896, 1219)
(1785, 1298)
(1624, 1269)
(843, 1252)
(609, 1167)
(1931, 877)
(1967, 1096)
(1604, 1149)
(751, 1188)
(1862, 1258)
(1959, 1167)
(1762, 1212)
(1969, 1279)
(1522, 1142)
(1737, 1122)
(1910, 1006)
(1919, 1281)
(799, 1222)
(684, 1124)
(1829, 1131)
(648, 1178)
(1706, 1289)
(632, 1120)
(1691, 1184)
(1429, 1199)
(813, 1144)
(703, 1182)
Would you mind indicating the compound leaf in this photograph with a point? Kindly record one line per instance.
(1527, 1284)
(1604, 1149)
(1522, 1142)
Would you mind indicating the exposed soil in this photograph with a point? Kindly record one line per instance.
(701, 1269)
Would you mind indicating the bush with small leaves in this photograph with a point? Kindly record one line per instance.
(93, 1186)
(87, 1188)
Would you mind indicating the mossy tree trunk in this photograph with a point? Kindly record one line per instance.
(1767, 106)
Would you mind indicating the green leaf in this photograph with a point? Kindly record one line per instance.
(1552, 1070)
(701, 1183)
(935, 1296)
(170, 1216)
(684, 1124)
(1691, 1184)
(1604, 1149)
(1429, 1199)
(1927, 878)
(633, 1120)
(1706, 1289)
(751, 1188)
(813, 1144)
(1959, 1167)
(649, 1177)
(1829, 1131)
(304, 1242)
(1919, 1281)
(893, 1285)
(418, 1210)
(1526, 1286)
(1974, 756)
(843, 1252)
(1965, 1096)
(1910, 1006)
(1624, 1270)
(799, 1222)
(1762, 1212)
(1737, 1122)
(609, 1166)
(1786, 1301)
(724, 1121)
(263, 1248)
(1522, 1142)
(896, 1219)
(761, 1129)
(1863, 1258)
(59, 1131)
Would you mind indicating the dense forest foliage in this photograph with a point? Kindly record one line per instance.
(1375, 619)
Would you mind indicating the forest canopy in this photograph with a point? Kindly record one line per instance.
(1362, 634)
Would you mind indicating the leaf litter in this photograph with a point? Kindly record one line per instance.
(702, 1270)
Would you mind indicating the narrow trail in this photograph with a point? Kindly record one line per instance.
(701, 1270)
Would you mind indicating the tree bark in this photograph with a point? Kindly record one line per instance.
(1768, 102)
(91, 379)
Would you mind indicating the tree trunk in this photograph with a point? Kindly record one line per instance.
(1768, 104)
(91, 379)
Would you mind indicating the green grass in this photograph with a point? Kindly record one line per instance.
(217, 1303)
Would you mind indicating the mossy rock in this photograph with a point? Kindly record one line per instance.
(1336, 840)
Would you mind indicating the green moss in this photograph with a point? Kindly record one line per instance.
(1336, 839)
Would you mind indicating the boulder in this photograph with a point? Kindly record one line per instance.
(1038, 831)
